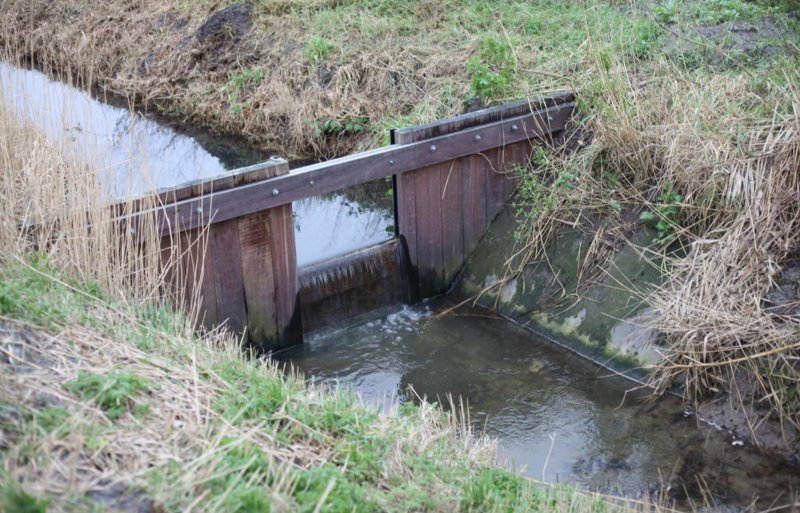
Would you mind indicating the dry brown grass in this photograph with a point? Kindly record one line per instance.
(52, 202)
(732, 149)
(192, 78)
(729, 144)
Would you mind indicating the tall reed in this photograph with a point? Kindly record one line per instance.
(54, 203)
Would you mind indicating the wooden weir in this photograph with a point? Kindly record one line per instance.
(451, 179)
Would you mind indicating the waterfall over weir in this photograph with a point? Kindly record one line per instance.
(344, 287)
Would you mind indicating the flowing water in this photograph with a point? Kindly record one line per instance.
(557, 416)
(135, 153)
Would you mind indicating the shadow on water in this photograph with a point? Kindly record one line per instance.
(557, 416)
(135, 153)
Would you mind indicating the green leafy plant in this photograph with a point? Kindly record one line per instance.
(238, 83)
(318, 49)
(114, 393)
(665, 218)
(713, 12)
(51, 418)
(13, 499)
(346, 126)
(492, 70)
(666, 12)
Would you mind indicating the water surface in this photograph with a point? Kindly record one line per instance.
(134, 153)
(557, 416)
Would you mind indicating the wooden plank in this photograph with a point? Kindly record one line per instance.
(429, 262)
(193, 188)
(452, 220)
(284, 267)
(258, 276)
(481, 117)
(407, 209)
(228, 277)
(169, 267)
(493, 164)
(340, 173)
(473, 183)
(515, 154)
(198, 274)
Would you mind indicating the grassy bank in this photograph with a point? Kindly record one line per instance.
(701, 141)
(111, 407)
(110, 402)
(316, 77)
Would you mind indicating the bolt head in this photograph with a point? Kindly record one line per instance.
(275, 192)
(433, 147)
(311, 182)
(391, 162)
(477, 137)
(199, 211)
(514, 128)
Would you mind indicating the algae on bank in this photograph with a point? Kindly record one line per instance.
(598, 315)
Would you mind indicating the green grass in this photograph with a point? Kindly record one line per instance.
(115, 392)
(318, 49)
(15, 500)
(274, 443)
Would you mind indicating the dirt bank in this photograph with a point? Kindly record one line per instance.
(277, 74)
(317, 78)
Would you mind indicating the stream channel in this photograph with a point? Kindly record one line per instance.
(128, 146)
(557, 417)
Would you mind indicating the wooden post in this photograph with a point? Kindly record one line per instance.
(443, 209)
(242, 271)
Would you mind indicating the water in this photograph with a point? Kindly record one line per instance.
(134, 153)
(557, 416)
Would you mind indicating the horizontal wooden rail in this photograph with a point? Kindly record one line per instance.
(344, 172)
(482, 117)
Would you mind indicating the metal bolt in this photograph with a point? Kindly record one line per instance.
(514, 128)
(275, 192)
(199, 211)
(549, 117)
(477, 137)
(391, 162)
(433, 147)
(311, 182)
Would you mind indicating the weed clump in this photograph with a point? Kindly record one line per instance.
(14, 500)
(492, 70)
(114, 392)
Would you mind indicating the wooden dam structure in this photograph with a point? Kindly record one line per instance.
(451, 178)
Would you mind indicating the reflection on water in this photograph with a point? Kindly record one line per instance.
(555, 415)
(332, 226)
(137, 153)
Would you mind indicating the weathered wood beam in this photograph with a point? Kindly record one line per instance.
(364, 167)
(481, 117)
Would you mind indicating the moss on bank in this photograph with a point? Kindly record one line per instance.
(109, 406)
